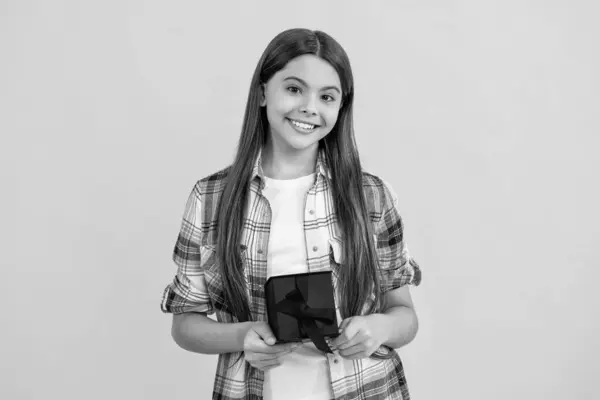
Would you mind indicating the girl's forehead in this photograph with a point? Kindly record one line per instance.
(311, 69)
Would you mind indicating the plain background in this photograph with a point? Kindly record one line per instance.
(483, 115)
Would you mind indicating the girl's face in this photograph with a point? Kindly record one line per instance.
(303, 101)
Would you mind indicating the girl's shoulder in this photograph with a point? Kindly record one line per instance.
(214, 183)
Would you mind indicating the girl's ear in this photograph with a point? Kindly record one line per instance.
(263, 96)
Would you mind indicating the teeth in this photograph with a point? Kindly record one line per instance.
(302, 125)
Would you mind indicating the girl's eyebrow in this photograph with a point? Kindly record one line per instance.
(305, 84)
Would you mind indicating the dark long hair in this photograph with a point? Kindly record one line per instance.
(359, 278)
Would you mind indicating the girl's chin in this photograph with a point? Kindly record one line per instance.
(299, 144)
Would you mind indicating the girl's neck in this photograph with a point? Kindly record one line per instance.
(289, 165)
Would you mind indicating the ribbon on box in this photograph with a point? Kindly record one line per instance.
(294, 304)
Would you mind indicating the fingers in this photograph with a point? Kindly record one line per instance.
(260, 339)
(348, 329)
(264, 363)
(265, 357)
(271, 366)
(263, 330)
(356, 339)
(355, 352)
(344, 324)
(358, 348)
(260, 347)
(255, 356)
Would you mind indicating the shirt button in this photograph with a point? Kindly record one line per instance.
(335, 361)
(260, 251)
(315, 248)
(311, 212)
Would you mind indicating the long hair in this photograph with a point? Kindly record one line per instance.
(359, 278)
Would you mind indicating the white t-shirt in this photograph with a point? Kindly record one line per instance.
(303, 373)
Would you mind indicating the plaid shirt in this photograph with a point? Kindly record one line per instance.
(197, 286)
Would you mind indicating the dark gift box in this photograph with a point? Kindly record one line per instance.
(301, 306)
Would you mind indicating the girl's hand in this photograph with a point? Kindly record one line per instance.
(360, 336)
(260, 349)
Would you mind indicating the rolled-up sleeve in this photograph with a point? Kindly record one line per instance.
(397, 268)
(188, 291)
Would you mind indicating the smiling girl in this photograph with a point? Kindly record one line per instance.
(295, 200)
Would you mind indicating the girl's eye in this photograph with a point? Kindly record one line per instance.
(328, 98)
(293, 89)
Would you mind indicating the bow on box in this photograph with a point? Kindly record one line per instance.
(300, 306)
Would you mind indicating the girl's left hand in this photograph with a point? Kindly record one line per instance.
(360, 336)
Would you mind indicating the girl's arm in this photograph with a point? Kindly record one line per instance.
(398, 318)
(197, 333)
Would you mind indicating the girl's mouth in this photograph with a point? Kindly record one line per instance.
(302, 127)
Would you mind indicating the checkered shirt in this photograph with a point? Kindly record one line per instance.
(197, 286)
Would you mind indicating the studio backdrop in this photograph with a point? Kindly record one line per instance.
(481, 114)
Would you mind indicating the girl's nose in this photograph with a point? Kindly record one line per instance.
(309, 106)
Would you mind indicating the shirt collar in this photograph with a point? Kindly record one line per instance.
(322, 168)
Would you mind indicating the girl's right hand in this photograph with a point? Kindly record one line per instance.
(260, 349)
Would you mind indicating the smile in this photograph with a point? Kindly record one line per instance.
(302, 127)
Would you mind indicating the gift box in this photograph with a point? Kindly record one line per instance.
(301, 306)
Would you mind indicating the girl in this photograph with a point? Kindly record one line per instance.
(295, 200)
